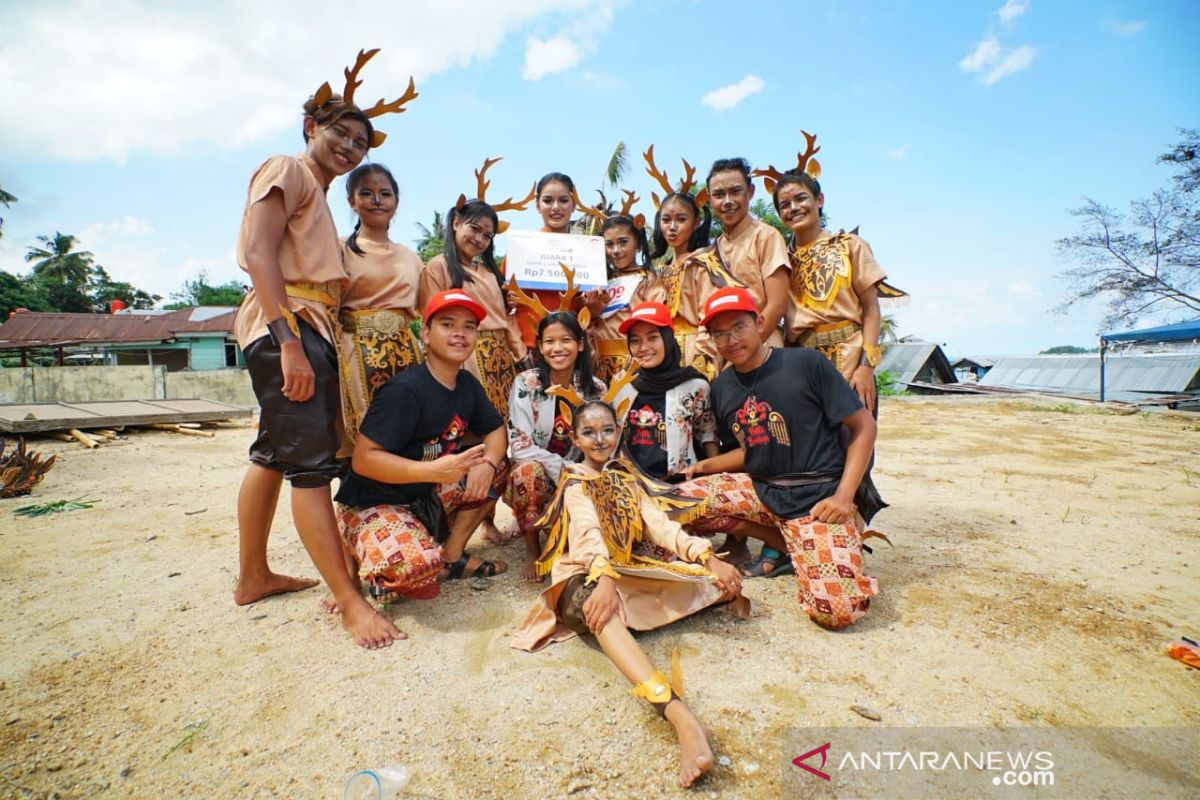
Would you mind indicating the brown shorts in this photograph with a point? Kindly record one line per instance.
(571, 600)
(298, 439)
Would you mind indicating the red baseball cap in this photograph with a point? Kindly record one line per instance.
(655, 314)
(453, 298)
(731, 298)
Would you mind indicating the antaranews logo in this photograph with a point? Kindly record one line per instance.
(823, 751)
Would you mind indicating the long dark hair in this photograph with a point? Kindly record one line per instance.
(802, 178)
(699, 237)
(352, 182)
(471, 211)
(639, 234)
(584, 377)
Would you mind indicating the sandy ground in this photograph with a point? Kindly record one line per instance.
(1043, 555)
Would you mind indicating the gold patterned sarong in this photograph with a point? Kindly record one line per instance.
(828, 340)
(375, 345)
(496, 368)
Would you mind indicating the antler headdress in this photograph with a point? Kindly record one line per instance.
(325, 95)
(686, 184)
(538, 309)
(574, 399)
(804, 163)
(481, 187)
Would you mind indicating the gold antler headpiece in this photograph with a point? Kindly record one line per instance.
(575, 399)
(538, 309)
(804, 163)
(325, 94)
(481, 187)
(686, 184)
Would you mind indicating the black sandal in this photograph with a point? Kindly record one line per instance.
(780, 564)
(454, 570)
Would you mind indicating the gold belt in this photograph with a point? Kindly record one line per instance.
(612, 347)
(384, 322)
(830, 334)
(326, 294)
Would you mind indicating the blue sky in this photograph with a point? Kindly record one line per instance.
(956, 135)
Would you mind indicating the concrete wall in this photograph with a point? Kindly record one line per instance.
(223, 385)
(80, 384)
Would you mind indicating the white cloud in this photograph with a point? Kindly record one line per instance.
(1012, 9)
(547, 56)
(1125, 28)
(987, 51)
(127, 225)
(730, 96)
(1014, 61)
(126, 76)
(992, 63)
(899, 153)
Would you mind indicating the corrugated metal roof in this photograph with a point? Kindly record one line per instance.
(35, 328)
(1125, 377)
(905, 360)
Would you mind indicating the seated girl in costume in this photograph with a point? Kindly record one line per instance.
(669, 408)
(538, 429)
(380, 302)
(624, 241)
(601, 510)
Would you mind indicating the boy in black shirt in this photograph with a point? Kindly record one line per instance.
(411, 483)
(785, 409)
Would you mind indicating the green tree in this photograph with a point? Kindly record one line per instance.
(103, 290)
(61, 273)
(17, 292)
(1067, 350)
(764, 210)
(432, 239)
(1148, 260)
(199, 292)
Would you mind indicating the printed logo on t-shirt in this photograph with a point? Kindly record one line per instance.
(647, 428)
(447, 441)
(756, 424)
(560, 438)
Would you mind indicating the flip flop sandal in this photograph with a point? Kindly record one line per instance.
(455, 570)
(780, 563)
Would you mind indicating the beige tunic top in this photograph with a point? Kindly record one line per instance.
(754, 253)
(646, 603)
(309, 253)
(827, 279)
(608, 327)
(384, 277)
(483, 290)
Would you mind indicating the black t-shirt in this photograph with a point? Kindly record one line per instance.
(786, 416)
(416, 417)
(645, 433)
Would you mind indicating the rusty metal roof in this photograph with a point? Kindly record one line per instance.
(43, 329)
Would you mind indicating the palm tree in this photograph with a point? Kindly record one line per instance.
(432, 239)
(887, 329)
(7, 199)
(62, 272)
(618, 163)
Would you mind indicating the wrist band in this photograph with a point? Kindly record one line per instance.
(493, 466)
(281, 332)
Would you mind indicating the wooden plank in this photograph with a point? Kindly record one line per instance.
(34, 417)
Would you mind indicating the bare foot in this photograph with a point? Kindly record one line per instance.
(329, 604)
(695, 755)
(529, 574)
(493, 534)
(738, 552)
(251, 591)
(369, 628)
